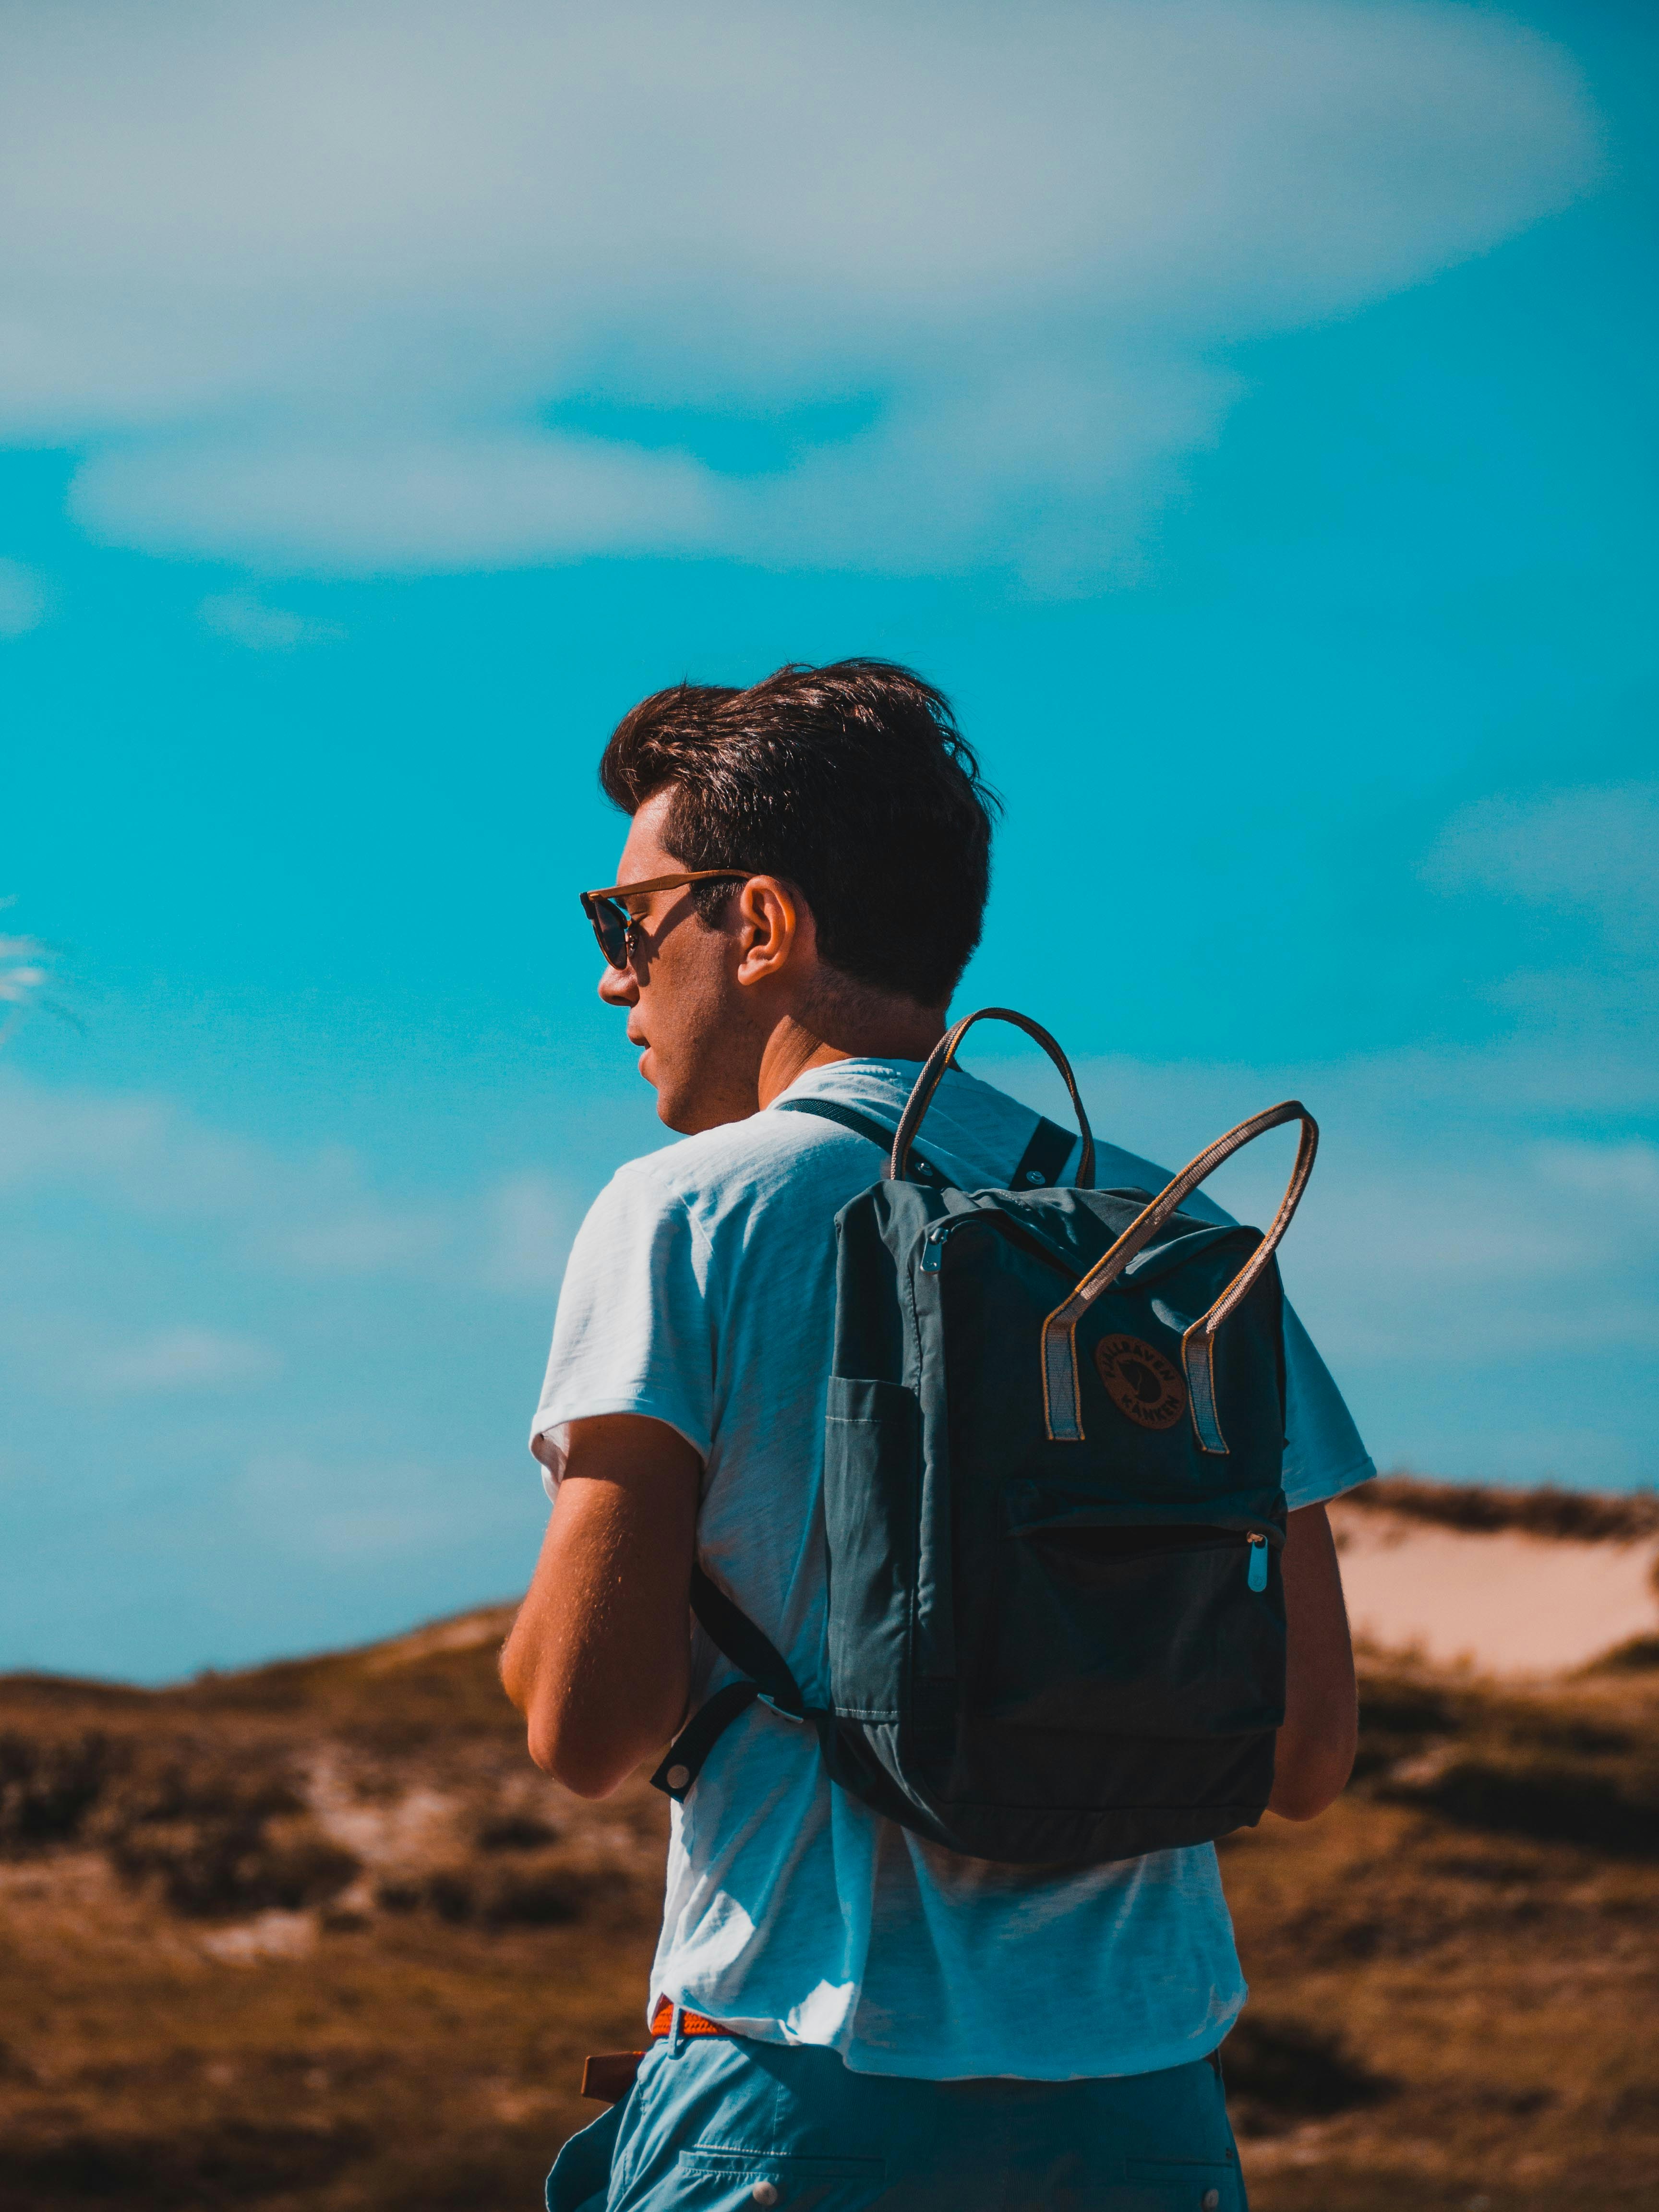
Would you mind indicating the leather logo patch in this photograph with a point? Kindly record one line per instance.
(1141, 1381)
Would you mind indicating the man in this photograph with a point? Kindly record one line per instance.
(801, 885)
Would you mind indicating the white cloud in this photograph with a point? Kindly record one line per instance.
(532, 1220)
(1627, 1174)
(189, 1359)
(314, 1214)
(314, 284)
(23, 969)
(23, 600)
(247, 621)
(1593, 848)
(366, 1240)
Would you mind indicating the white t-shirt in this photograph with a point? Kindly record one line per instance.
(700, 1292)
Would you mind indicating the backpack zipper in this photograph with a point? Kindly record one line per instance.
(933, 1253)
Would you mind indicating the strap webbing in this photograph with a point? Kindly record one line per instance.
(1043, 1160)
(863, 1125)
(683, 1761)
(730, 1630)
(744, 1645)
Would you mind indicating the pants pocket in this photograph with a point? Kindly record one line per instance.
(720, 2180)
(1158, 2185)
(581, 2179)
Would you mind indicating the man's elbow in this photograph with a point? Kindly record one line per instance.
(586, 1768)
(1308, 1784)
(1304, 1799)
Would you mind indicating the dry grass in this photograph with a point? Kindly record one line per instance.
(316, 1939)
(1578, 1516)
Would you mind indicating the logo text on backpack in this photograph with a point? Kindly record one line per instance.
(1141, 1381)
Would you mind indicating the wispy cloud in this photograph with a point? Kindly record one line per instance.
(246, 620)
(189, 1359)
(23, 969)
(144, 1160)
(1594, 847)
(533, 1219)
(23, 599)
(315, 286)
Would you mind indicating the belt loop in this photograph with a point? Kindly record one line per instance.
(674, 2029)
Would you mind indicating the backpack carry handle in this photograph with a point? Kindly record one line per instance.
(1062, 1400)
(942, 1056)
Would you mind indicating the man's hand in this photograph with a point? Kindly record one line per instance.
(598, 1660)
(1317, 1744)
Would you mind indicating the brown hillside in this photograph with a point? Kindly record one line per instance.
(317, 1939)
(1577, 1516)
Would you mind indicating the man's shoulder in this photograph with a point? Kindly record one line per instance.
(740, 1161)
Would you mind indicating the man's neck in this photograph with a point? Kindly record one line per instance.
(901, 1031)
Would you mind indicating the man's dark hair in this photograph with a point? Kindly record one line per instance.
(853, 782)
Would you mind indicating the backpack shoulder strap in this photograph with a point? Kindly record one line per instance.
(863, 1125)
(732, 1632)
(1043, 1162)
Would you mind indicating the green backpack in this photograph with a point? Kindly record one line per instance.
(1052, 1503)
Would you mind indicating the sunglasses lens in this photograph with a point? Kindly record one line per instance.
(610, 926)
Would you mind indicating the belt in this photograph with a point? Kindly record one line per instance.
(692, 2023)
(607, 2076)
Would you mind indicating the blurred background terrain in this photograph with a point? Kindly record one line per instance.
(316, 1938)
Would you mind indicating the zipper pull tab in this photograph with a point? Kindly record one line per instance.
(1258, 1544)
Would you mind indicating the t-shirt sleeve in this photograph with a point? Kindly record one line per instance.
(1324, 1453)
(632, 1334)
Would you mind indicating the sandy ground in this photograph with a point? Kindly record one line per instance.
(1507, 1603)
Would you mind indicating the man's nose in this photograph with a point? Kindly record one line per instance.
(619, 986)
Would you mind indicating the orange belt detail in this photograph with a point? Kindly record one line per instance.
(692, 2023)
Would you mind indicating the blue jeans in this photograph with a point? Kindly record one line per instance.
(713, 2124)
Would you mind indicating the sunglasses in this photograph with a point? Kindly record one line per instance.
(613, 924)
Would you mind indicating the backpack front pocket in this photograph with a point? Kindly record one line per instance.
(1138, 1629)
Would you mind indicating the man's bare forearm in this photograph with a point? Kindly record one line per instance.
(1317, 1744)
(599, 1660)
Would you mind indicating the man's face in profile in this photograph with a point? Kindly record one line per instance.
(699, 1040)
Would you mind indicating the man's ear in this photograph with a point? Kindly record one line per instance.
(774, 928)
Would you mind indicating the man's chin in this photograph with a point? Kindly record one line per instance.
(673, 1111)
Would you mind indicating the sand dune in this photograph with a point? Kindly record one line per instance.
(1509, 1601)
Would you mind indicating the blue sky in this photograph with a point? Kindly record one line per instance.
(1243, 410)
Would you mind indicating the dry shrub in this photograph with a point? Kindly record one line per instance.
(14, 2067)
(1280, 2070)
(1400, 1713)
(217, 1835)
(1552, 1800)
(49, 1783)
(1553, 1767)
(228, 2162)
(1578, 1516)
(515, 1831)
(530, 1893)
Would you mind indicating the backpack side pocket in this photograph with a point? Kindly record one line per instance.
(872, 1460)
